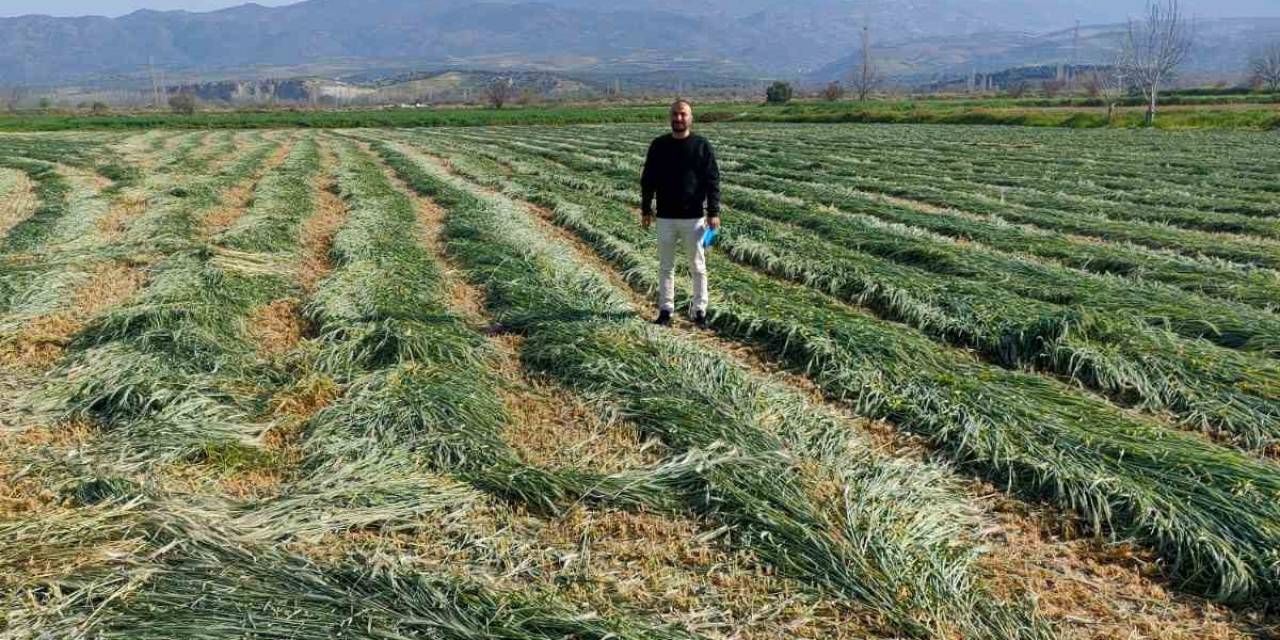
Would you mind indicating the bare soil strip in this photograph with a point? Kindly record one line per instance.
(1091, 590)
(318, 231)
(127, 206)
(277, 328)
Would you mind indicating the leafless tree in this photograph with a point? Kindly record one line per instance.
(183, 103)
(1265, 67)
(1016, 89)
(1107, 84)
(500, 91)
(864, 78)
(1154, 47)
(13, 98)
(1093, 84)
(833, 92)
(1053, 87)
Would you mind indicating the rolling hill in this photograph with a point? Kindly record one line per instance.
(720, 36)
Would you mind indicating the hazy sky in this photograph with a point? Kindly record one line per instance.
(1207, 8)
(115, 7)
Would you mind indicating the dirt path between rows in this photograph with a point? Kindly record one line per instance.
(318, 232)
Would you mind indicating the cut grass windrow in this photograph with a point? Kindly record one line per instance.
(169, 379)
(17, 198)
(172, 373)
(1211, 512)
(271, 225)
(1170, 205)
(416, 371)
(75, 150)
(437, 414)
(1241, 250)
(1002, 182)
(52, 190)
(893, 537)
(143, 563)
(40, 282)
(81, 268)
(170, 222)
(177, 572)
(74, 245)
(1215, 278)
(1228, 324)
(1205, 386)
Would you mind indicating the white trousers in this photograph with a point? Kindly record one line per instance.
(686, 234)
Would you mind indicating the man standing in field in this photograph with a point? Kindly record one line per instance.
(681, 170)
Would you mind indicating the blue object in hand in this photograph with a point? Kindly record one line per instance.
(709, 237)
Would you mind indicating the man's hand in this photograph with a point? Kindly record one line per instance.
(713, 222)
(646, 220)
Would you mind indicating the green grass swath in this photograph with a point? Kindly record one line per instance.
(1208, 387)
(894, 532)
(1213, 513)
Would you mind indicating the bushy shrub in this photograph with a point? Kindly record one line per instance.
(778, 93)
(183, 103)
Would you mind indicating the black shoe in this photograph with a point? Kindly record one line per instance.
(664, 319)
(700, 319)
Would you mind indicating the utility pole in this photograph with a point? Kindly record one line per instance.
(155, 83)
(1075, 52)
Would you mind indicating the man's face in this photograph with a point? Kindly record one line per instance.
(681, 118)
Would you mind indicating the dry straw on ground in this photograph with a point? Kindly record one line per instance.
(236, 200)
(18, 203)
(41, 341)
(317, 234)
(1088, 589)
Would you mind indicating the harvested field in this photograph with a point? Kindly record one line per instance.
(960, 383)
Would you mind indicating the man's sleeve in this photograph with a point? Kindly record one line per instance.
(648, 178)
(712, 176)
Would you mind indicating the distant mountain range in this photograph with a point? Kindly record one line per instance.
(747, 38)
(1222, 49)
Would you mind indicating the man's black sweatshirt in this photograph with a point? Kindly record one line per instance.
(684, 175)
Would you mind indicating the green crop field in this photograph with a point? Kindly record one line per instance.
(958, 382)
